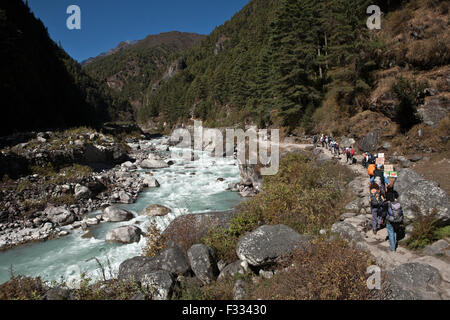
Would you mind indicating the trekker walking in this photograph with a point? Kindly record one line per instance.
(376, 203)
(315, 141)
(322, 141)
(347, 153)
(393, 220)
(352, 154)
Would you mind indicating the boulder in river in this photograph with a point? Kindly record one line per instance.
(150, 182)
(153, 164)
(115, 214)
(125, 234)
(155, 210)
(268, 244)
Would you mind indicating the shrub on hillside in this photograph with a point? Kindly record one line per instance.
(425, 230)
(328, 270)
(409, 96)
(22, 288)
(302, 195)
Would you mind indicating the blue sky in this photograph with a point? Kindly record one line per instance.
(104, 23)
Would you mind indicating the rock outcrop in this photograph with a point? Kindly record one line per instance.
(268, 244)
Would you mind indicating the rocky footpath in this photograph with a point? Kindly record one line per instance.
(407, 275)
(74, 173)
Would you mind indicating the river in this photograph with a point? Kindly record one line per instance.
(190, 187)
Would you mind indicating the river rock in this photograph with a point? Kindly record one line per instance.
(125, 197)
(128, 165)
(413, 281)
(150, 182)
(268, 244)
(203, 262)
(115, 214)
(153, 164)
(155, 210)
(60, 216)
(125, 234)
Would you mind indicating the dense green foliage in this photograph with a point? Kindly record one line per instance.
(42, 87)
(132, 69)
(278, 61)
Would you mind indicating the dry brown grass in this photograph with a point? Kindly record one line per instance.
(328, 270)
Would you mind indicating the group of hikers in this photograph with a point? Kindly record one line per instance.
(332, 145)
(386, 209)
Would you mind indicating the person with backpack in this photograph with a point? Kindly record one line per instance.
(376, 204)
(322, 140)
(315, 141)
(352, 155)
(393, 220)
(379, 178)
(371, 169)
(347, 153)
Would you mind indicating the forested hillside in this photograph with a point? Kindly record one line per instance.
(42, 86)
(290, 63)
(130, 68)
(271, 62)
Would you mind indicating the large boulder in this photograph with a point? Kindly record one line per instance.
(369, 142)
(155, 210)
(203, 262)
(60, 216)
(347, 231)
(115, 214)
(268, 244)
(425, 195)
(160, 283)
(434, 110)
(153, 164)
(438, 248)
(125, 234)
(413, 281)
(171, 260)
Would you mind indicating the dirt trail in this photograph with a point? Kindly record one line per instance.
(378, 245)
